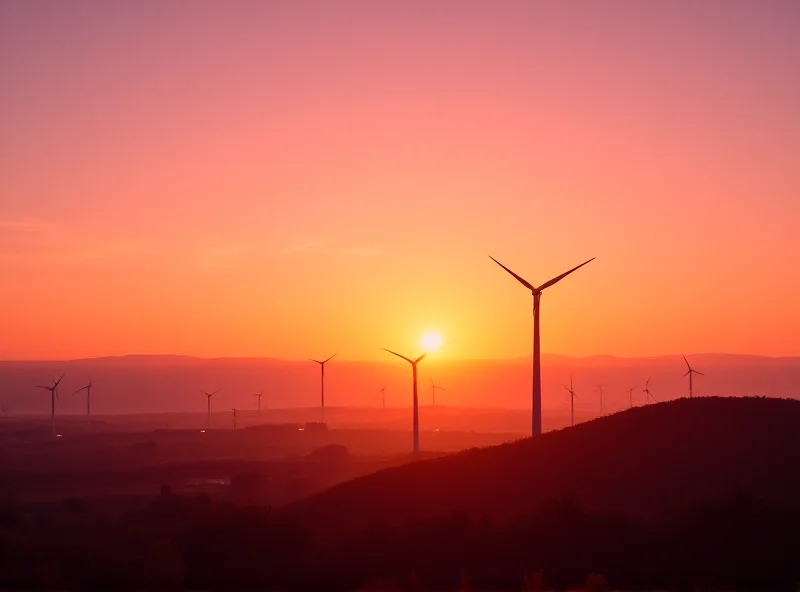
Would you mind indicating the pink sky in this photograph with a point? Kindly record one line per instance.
(295, 178)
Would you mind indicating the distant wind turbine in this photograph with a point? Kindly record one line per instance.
(208, 396)
(630, 394)
(53, 396)
(88, 389)
(536, 421)
(259, 401)
(572, 396)
(383, 396)
(234, 419)
(322, 381)
(648, 396)
(689, 372)
(413, 363)
(599, 389)
(435, 386)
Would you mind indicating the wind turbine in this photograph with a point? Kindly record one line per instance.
(259, 401)
(88, 389)
(413, 363)
(234, 419)
(630, 394)
(536, 422)
(208, 396)
(647, 394)
(690, 371)
(572, 396)
(383, 395)
(53, 396)
(322, 381)
(599, 389)
(433, 391)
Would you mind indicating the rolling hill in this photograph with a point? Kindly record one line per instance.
(173, 384)
(635, 462)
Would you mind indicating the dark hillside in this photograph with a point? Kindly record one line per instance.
(635, 462)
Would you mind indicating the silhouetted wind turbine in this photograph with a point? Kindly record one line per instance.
(572, 396)
(53, 395)
(433, 391)
(536, 422)
(322, 381)
(690, 371)
(234, 419)
(88, 389)
(599, 389)
(647, 394)
(416, 401)
(208, 396)
(630, 394)
(259, 401)
(383, 395)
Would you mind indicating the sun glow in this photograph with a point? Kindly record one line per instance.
(431, 341)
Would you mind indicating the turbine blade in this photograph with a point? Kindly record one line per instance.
(419, 359)
(687, 362)
(333, 356)
(696, 372)
(214, 393)
(313, 360)
(60, 379)
(441, 388)
(563, 275)
(47, 388)
(410, 361)
(520, 279)
(684, 376)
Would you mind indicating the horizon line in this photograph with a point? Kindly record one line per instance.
(519, 358)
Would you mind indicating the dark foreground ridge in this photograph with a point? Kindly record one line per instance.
(638, 462)
(690, 495)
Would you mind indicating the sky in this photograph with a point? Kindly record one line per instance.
(298, 178)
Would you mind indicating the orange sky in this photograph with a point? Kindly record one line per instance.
(294, 179)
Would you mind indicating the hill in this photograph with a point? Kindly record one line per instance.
(173, 384)
(635, 462)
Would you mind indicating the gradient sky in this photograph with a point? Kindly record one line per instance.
(297, 178)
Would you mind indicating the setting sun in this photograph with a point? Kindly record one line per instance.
(431, 341)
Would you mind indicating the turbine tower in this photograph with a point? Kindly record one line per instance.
(383, 396)
(435, 386)
(648, 396)
(322, 382)
(53, 396)
(599, 389)
(689, 372)
(259, 401)
(413, 363)
(572, 396)
(88, 389)
(536, 421)
(234, 419)
(208, 396)
(630, 394)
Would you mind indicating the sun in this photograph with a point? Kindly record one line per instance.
(431, 341)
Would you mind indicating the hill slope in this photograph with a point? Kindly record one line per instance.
(639, 461)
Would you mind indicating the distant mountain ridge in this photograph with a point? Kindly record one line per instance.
(172, 383)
